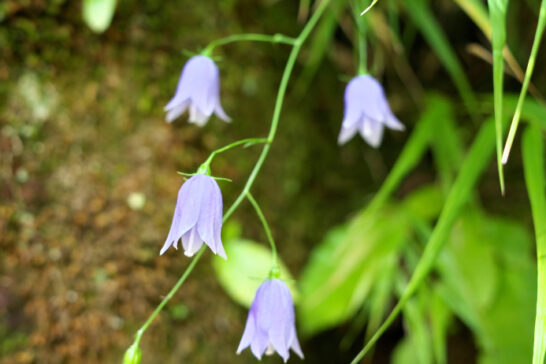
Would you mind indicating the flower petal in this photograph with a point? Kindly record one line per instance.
(186, 212)
(197, 116)
(392, 121)
(259, 343)
(219, 111)
(210, 218)
(295, 344)
(175, 111)
(248, 334)
(192, 242)
(372, 132)
(347, 133)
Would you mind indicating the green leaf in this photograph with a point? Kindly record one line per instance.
(322, 39)
(436, 109)
(497, 16)
(533, 161)
(447, 148)
(459, 194)
(247, 266)
(344, 268)
(528, 73)
(425, 203)
(440, 318)
(469, 262)
(98, 14)
(415, 320)
(486, 270)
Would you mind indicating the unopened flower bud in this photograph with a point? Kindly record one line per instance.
(133, 355)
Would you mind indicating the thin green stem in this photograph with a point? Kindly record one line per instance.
(361, 40)
(265, 225)
(245, 142)
(271, 136)
(528, 73)
(170, 295)
(275, 38)
(279, 102)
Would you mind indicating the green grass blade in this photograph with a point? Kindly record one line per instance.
(476, 10)
(424, 19)
(436, 110)
(322, 39)
(532, 111)
(497, 15)
(474, 164)
(528, 72)
(533, 162)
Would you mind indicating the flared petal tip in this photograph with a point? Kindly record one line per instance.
(220, 113)
(395, 124)
(164, 249)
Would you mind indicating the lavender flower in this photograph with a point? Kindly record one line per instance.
(366, 111)
(199, 90)
(197, 217)
(271, 324)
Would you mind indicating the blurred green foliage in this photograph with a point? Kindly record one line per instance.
(82, 132)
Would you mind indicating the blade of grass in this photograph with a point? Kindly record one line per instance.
(474, 164)
(497, 16)
(532, 111)
(476, 10)
(528, 72)
(533, 163)
(437, 109)
(424, 19)
(322, 39)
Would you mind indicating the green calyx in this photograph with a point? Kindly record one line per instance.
(275, 272)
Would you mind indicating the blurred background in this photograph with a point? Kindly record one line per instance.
(88, 175)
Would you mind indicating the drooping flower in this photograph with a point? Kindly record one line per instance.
(197, 217)
(366, 111)
(271, 325)
(199, 91)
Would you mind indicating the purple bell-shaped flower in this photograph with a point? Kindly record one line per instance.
(198, 91)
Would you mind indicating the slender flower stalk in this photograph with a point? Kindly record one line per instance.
(298, 43)
(361, 40)
(266, 228)
(275, 38)
(245, 142)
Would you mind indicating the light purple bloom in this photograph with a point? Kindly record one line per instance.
(271, 325)
(199, 91)
(197, 217)
(366, 111)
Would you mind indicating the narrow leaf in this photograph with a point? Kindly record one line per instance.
(424, 19)
(533, 162)
(528, 72)
(497, 15)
